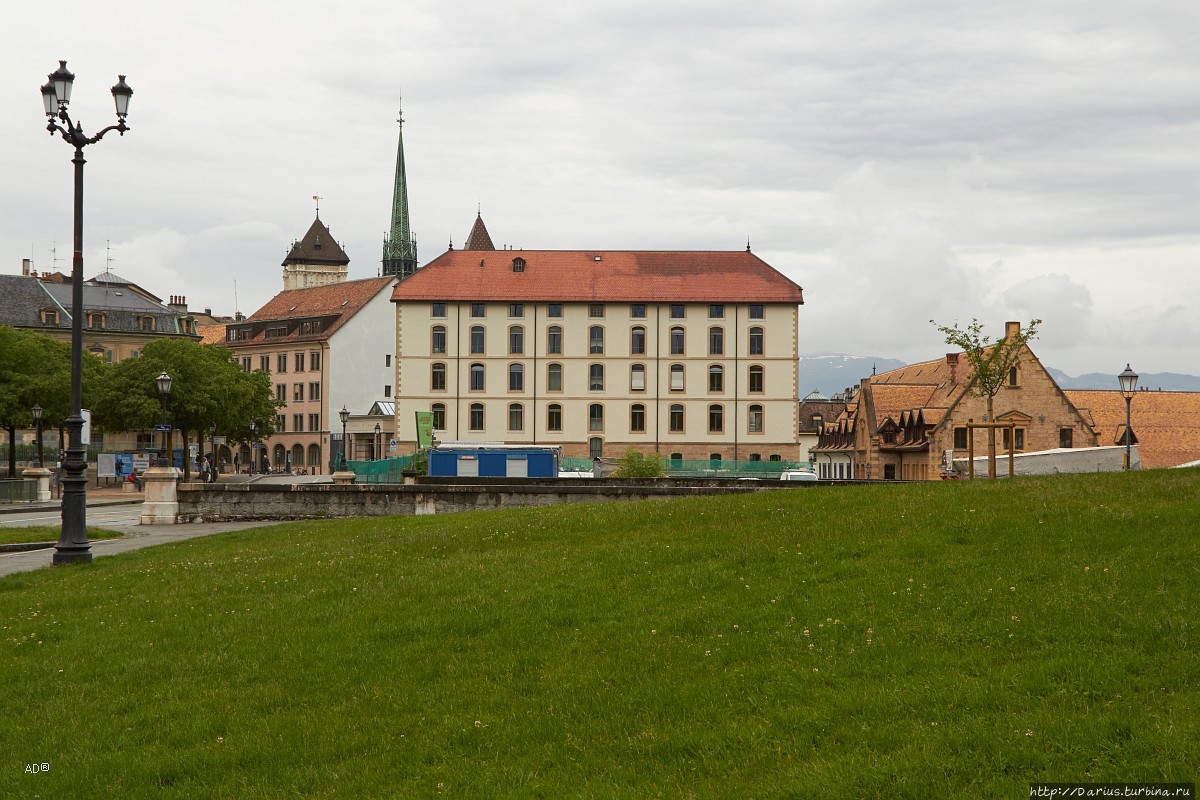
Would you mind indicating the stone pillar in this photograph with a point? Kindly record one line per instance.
(344, 476)
(161, 506)
(42, 476)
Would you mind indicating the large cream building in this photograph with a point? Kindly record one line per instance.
(692, 355)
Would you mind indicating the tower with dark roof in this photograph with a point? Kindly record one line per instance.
(478, 238)
(399, 246)
(315, 260)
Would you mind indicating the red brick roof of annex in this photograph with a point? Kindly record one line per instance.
(600, 276)
(1166, 424)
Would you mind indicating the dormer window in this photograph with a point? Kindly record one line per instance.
(518, 265)
(96, 321)
(49, 317)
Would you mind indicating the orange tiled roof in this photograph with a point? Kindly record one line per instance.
(343, 299)
(211, 334)
(600, 276)
(1166, 424)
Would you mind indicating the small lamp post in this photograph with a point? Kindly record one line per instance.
(344, 415)
(212, 435)
(37, 442)
(378, 441)
(253, 442)
(164, 382)
(1128, 380)
(73, 545)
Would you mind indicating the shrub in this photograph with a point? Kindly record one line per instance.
(640, 465)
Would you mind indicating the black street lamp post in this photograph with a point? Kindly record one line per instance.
(253, 442)
(344, 415)
(37, 442)
(73, 544)
(378, 442)
(164, 393)
(1128, 380)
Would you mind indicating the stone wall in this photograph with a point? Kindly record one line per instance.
(216, 502)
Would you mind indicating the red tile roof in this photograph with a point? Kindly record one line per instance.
(343, 299)
(1166, 424)
(600, 276)
(211, 334)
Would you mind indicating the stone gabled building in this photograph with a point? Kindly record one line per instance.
(1165, 425)
(910, 423)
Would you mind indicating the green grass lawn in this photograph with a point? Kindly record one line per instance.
(910, 641)
(48, 533)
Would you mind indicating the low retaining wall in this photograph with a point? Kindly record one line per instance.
(247, 501)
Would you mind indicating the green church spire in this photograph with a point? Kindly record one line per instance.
(399, 247)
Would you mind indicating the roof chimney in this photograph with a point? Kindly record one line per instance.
(952, 363)
(27, 267)
(1012, 330)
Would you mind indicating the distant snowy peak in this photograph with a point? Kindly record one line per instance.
(830, 373)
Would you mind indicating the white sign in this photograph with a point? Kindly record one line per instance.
(218, 440)
(141, 461)
(85, 436)
(106, 465)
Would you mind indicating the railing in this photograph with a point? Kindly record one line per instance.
(386, 470)
(17, 491)
(26, 452)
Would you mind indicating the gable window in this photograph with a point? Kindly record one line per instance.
(437, 340)
(675, 420)
(554, 310)
(516, 340)
(595, 417)
(1012, 376)
(554, 418)
(437, 377)
(637, 378)
(475, 417)
(756, 379)
(554, 377)
(716, 341)
(437, 310)
(516, 309)
(756, 341)
(518, 265)
(637, 341)
(478, 310)
(596, 340)
(50, 317)
(1066, 437)
(477, 339)
(716, 378)
(637, 311)
(596, 310)
(146, 323)
(554, 340)
(637, 418)
(596, 378)
(439, 416)
(960, 438)
(516, 378)
(96, 321)
(477, 378)
(677, 341)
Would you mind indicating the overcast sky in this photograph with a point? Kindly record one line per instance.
(900, 161)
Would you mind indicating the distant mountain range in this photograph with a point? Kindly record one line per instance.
(830, 373)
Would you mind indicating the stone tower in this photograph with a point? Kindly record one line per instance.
(315, 260)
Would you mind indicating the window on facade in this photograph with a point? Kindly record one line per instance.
(314, 422)
(595, 377)
(246, 363)
(314, 391)
(437, 340)
(437, 377)
(637, 378)
(475, 417)
(1018, 439)
(756, 456)
(716, 341)
(756, 379)
(960, 438)
(477, 383)
(677, 377)
(596, 340)
(554, 418)
(554, 310)
(281, 362)
(755, 419)
(716, 378)
(677, 341)
(675, 418)
(1066, 437)
(714, 458)
(314, 361)
(280, 423)
(264, 363)
(595, 417)
(96, 321)
(299, 362)
(516, 340)
(439, 416)
(595, 447)
(298, 423)
(50, 317)
(387, 390)
(677, 311)
(516, 378)
(596, 310)
(676, 457)
(516, 309)
(637, 311)
(716, 418)
(147, 323)
(756, 311)
(776, 457)
(637, 418)
(281, 392)
(477, 340)
(387, 360)
(554, 340)
(478, 310)
(716, 311)
(1012, 376)
(518, 265)
(437, 310)
(637, 341)
(516, 417)
(756, 341)
(297, 392)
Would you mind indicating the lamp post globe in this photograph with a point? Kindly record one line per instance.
(73, 545)
(1128, 380)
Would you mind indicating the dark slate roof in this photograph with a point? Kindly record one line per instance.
(121, 306)
(478, 238)
(22, 299)
(317, 247)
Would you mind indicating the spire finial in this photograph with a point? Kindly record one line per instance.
(317, 200)
(747, 244)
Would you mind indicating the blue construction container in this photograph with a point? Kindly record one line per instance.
(494, 462)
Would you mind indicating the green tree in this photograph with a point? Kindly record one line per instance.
(639, 465)
(208, 386)
(990, 364)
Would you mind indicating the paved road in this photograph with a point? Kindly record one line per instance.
(105, 510)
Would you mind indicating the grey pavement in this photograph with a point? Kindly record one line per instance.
(136, 537)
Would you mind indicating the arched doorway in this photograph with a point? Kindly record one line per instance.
(314, 458)
(297, 456)
(279, 456)
(243, 457)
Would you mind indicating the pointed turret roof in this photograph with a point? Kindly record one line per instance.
(400, 247)
(317, 247)
(478, 238)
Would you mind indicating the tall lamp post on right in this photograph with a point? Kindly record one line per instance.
(164, 392)
(344, 415)
(1128, 380)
